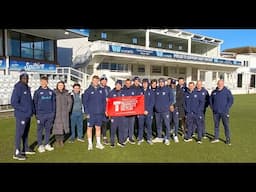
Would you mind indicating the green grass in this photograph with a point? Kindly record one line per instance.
(243, 134)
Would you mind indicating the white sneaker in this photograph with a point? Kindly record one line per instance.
(140, 141)
(157, 140)
(48, 147)
(99, 146)
(176, 140)
(126, 141)
(167, 142)
(41, 149)
(188, 140)
(215, 141)
(90, 147)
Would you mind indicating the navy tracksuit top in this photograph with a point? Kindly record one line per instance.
(193, 103)
(44, 101)
(21, 101)
(94, 100)
(163, 99)
(221, 100)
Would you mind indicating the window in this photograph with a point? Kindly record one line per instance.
(14, 44)
(246, 63)
(159, 44)
(103, 35)
(239, 80)
(141, 69)
(28, 46)
(134, 40)
(221, 75)
(194, 74)
(202, 75)
(173, 70)
(113, 67)
(166, 73)
(156, 69)
(180, 47)
(170, 46)
(214, 76)
(252, 81)
(182, 70)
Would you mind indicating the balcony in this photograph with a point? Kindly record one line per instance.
(128, 49)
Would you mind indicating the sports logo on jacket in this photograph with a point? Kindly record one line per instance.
(50, 93)
(195, 96)
(25, 92)
(163, 93)
(92, 92)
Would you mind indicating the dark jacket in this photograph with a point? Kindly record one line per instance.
(193, 103)
(21, 101)
(94, 100)
(221, 100)
(163, 99)
(44, 101)
(149, 99)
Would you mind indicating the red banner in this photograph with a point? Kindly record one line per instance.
(125, 106)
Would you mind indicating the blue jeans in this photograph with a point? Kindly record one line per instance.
(76, 121)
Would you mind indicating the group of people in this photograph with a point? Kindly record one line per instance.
(60, 112)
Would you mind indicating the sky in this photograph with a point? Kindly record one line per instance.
(232, 37)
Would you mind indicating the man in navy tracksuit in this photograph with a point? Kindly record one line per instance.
(194, 107)
(174, 122)
(118, 122)
(105, 122)
(22, 102)
(146, 119)
(205, 97)
(129, 120)
(221, 100)
(94, 101)
(45, 108)
(163, 100)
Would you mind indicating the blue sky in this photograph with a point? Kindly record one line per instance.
(232, 37)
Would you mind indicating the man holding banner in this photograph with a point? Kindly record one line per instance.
(146, 119)
(117, 122)
(121, 105)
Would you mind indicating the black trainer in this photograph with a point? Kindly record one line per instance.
(19, 157)
(228, 141)
(131, 141)
(29, 152)
(105, 141)
(121, 144)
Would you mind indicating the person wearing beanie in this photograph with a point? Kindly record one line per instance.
(21, 100)
(105, 122)
(163, 100)
(117, 122)
(145, 121)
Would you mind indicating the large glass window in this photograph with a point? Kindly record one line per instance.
(28, 46)
(14, 44)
